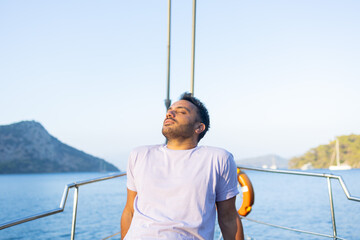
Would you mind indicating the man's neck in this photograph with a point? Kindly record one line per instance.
(176, 144)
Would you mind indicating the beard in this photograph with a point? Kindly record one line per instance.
(178, 131)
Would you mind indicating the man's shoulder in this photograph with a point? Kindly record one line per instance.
(145, 151)
(215, 150)
(146, 148)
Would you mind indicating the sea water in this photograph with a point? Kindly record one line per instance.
(291, 201)
(303, 203)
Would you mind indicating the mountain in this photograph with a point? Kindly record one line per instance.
(265, 161)
(320, 157)
(26, 147)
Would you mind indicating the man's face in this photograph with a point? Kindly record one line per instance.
(181, 120)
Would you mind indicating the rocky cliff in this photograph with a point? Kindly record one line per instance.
(26, 147)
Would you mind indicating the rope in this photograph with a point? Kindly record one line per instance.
(111, 236)
(292, 229)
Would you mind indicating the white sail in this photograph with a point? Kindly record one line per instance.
(338, 165)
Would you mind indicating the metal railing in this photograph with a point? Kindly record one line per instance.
(61, 208)
(309, 174)
(76, 186)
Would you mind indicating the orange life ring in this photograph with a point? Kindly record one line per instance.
(248, 193)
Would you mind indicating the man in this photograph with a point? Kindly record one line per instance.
(175, 189)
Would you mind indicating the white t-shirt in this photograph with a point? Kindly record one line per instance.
(177, 191)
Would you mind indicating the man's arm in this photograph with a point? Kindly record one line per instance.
(229, 220)
(128, 213)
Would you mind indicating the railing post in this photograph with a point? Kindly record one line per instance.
(332, 207)
(76, 194)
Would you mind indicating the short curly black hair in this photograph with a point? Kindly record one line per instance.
(201, 109)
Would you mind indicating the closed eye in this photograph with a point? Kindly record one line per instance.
(182, 110)
(179, 110)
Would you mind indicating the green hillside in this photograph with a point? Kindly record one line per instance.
(321, 156)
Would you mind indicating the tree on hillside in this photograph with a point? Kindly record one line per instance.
(320, 157)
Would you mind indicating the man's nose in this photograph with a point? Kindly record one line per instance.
(170, 114)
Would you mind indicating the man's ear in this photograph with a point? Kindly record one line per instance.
(200, 128)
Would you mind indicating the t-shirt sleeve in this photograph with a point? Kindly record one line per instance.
(130, 173)
(226, 187)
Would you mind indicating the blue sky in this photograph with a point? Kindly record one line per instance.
(278, 77)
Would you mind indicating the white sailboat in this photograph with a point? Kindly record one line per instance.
(273, 165)
(307, 166)
(338, 166)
